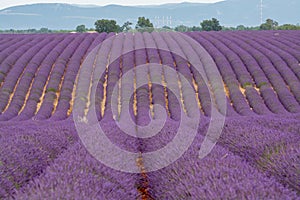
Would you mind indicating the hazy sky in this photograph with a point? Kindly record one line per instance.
(8, 3)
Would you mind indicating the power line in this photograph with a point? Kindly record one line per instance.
(161, 21)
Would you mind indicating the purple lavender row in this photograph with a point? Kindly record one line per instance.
(171, 81)
(282, 161)
(141, 73)
(158, 96)
(6, 43)
(208, 76)
(10, 56)
(270, 95)
(28, 151)
(258, 76)
(290, 49)
(78, 157)
(142, 95)
(7, 37)
(234, 63)
(230, 79)
(219, 175)
(56, 75)
(77, 175)
(40, 79)
(246, 81)
(4, 40)
(101, 58)
(287, 42)
(15, 73)
(184, 74)
(91, 52)
(241, 140)
(190, 74)
(98, 39)
(189, 177)
(273, 79)
(127, 85)
(26, 79)
(85, 76)
(203, 75)
(83, 83)
(203, 90)
(95, 61)
(282, 124)
(267, 95)
(285, 95)
(55, 78)
(181, 62)
(12, 46)
(288, 35)
(291, 44)
(287, 66)
(113, 75)
(67, 85)
(214, 77)
(281, 60)
(100, 89)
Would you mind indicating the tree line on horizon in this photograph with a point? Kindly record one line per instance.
(206, 25)
(144, 24)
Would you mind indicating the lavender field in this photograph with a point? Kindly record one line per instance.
(256, 156)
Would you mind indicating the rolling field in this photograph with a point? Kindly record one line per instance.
(249, 79)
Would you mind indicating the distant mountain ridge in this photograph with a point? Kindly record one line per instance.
(228, 12)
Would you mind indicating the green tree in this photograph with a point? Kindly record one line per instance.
(105, 25)
(195, 28)
(288, 27)
(269, 25)
(44, 30)
(167, 27)
(81, 28)
(144, 24)
(224, 28)
(181, 28)
(126, 27)
(211, 25)
(240, 27)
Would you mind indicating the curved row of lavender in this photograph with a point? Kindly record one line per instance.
(257, 156)
(261, 74)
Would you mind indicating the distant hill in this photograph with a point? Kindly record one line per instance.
(229, 13)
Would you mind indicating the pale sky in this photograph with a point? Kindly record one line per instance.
(9, 3)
